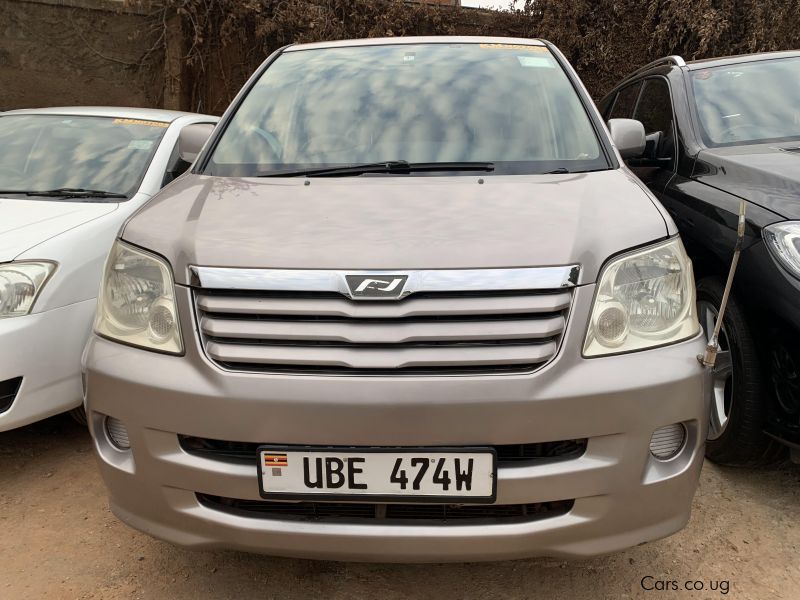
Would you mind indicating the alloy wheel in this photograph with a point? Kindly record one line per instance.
(722, 374)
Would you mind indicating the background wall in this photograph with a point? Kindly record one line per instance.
(195, 54)
(81, 52)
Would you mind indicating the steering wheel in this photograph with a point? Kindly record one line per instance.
(271, 141)
(338, 143)
(729, 134)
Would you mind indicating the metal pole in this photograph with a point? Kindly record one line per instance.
(709, 358)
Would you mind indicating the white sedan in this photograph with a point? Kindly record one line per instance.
(69, 178)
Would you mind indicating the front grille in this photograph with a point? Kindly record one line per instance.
(424, 334)
(507, 455)
(409, 514)
(8, 392)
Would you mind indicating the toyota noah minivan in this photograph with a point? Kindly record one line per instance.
(407, 305)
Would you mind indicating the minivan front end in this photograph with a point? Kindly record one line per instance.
(398, 366)
(575, 439)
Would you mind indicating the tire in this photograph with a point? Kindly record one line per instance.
(79, 415)
(739, 391)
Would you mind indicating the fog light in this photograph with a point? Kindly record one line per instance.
(612, 325)
(161, 323)
(667, 441)
(117, 433)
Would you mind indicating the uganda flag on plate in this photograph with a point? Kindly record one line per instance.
(275, 460)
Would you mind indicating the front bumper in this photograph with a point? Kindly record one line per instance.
(45, 350)
(623, 496)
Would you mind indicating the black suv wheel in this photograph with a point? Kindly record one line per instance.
(738, 394)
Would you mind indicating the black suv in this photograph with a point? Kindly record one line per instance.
(717, 132)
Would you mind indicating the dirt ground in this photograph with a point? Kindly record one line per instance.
(59, 540)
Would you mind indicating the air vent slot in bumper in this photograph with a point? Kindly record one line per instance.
(507, 454)
(8, 392)
(397, 514)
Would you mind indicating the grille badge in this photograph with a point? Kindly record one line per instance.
(376, 286)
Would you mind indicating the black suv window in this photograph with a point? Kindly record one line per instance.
(625, 102)
(655, 112)
(746, 103)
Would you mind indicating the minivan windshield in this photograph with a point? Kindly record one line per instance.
(507, 107)
(751, 102)
(60, 152)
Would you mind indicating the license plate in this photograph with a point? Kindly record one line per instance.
(457, 475)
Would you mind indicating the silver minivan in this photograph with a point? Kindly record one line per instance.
(408, 305)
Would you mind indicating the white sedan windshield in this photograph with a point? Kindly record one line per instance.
(47, 152)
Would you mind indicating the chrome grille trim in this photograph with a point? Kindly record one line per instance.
(378, 359)
(399, 333)
(444, 332)
(436, 280)
(413, 307)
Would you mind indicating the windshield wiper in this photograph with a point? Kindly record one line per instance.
(66, 193)
(393, 166)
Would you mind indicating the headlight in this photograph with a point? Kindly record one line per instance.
(783, 240)
(20, 284)
(136, 303)
(643, 299)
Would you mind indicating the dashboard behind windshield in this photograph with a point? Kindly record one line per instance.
(46, 152)
(510, 105)
(750, 102)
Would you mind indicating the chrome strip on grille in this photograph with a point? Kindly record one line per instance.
(413, 307)
(448, 326)
(466, 280)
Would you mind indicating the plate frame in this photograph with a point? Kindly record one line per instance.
(376, 498)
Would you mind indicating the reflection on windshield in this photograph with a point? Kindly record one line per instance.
(45, 152)
(750, 102)
(509, 105)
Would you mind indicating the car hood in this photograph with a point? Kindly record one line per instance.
(766, 174)
(406, 222)
(25, 223)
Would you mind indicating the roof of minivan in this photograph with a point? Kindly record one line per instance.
(146, 114)
(432, 39)
(721, 61)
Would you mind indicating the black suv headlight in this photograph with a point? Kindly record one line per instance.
(783, 241)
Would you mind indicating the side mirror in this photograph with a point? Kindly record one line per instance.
(652, 143)
(191, 140)
(628, 136)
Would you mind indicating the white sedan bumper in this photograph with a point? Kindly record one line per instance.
(45, 350)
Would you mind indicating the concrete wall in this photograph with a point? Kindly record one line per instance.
(111, 52)
(107, 52)
(75, 52)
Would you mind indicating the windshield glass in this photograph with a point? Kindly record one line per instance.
(46, 152)
(509, 105)
(749, 102)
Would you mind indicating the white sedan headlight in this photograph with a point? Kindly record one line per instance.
(783, 240)
(136, 303)
(20, 284)
(643, 299)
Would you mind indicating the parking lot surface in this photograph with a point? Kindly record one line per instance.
(59, 540)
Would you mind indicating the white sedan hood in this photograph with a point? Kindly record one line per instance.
(25, 223)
